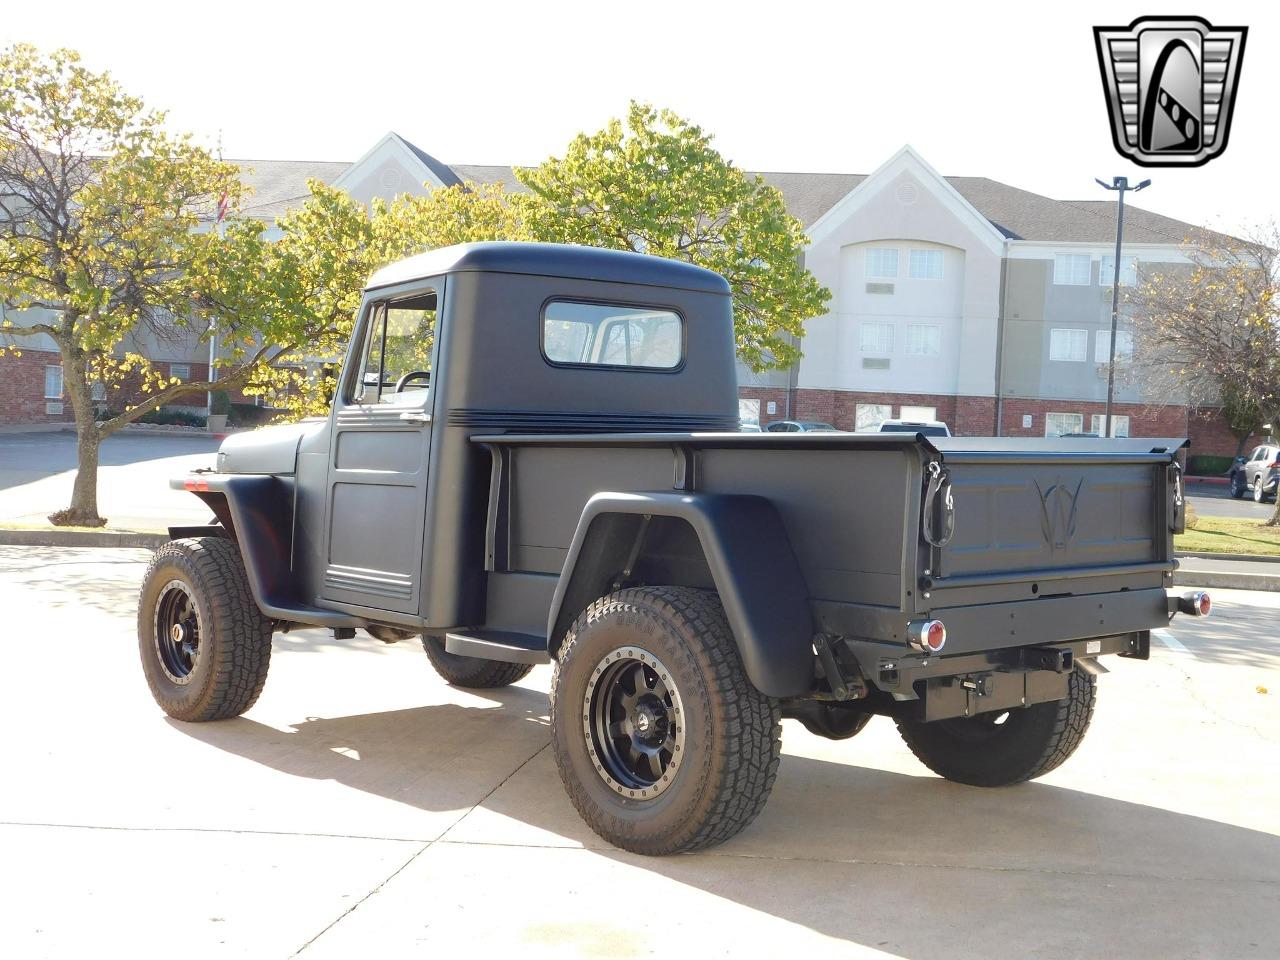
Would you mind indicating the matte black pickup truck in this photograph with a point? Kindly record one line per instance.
(532, 457)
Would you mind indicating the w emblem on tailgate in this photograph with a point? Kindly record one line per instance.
(1058, 505)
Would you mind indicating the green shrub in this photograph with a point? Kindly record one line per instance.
(1205, 465)
(172, 418)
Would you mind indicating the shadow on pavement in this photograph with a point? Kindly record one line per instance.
(867, 847)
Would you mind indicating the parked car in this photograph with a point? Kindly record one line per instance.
(1257, 474)
(930, 428)
(800, 426)
(748, 428)
(530, 457)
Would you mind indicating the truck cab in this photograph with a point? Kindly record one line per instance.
(533, 456)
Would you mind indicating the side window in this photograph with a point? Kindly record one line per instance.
(396, 357)
(1257, 453)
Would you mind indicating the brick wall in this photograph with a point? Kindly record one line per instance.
(766, 395)
(22, 397)
(1144, 421)
(1210, 435)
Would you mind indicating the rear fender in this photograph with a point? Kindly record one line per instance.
(751, 564)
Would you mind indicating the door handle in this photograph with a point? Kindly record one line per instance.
(415, 416)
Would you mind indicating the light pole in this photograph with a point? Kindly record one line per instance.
(1120, 185)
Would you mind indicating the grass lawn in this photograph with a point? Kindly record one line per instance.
(1229, 535)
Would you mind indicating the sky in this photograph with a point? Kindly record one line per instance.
(1006, 91)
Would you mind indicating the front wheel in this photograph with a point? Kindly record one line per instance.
(205, 644)
(662, 742)
(1002, 747)
(1237, 486)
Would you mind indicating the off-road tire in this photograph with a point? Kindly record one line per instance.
(732, 731)
(230, 667)
(1029, 743)
(475, 672)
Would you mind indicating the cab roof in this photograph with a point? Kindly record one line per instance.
(551, 260)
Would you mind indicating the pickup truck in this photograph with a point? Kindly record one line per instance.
(533, 456)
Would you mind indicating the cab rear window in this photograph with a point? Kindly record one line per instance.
(612, 335)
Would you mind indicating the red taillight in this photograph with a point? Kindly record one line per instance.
(1196, 603)
(1274, 465)
(927, 636)
(201, 486)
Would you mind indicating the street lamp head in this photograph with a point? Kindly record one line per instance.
(1102, 183)
(1142, 186)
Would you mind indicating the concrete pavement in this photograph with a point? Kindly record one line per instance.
(1215, 500)
(364, 808)
(37, 471)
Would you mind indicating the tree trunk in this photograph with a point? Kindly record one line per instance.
(83, 511)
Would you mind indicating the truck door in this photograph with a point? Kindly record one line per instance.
(377, 486)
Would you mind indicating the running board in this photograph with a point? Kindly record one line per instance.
(498, 645)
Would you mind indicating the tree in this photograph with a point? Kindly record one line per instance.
(327, 250)
(101, 246)
(655, 184)
(1209, 333)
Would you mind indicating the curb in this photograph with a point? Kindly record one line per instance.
(1248, 557)
(1225, 580)
(82, 538)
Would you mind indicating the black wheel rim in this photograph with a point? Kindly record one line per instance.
(634, 724)
(177, 631)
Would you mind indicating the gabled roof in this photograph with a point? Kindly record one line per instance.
(1017, 214)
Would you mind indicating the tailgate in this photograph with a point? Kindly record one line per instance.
(1055, 511)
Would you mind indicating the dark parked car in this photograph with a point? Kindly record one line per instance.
(1256, 474)
(799, 426)
(533, 455)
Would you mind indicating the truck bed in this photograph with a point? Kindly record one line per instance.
(1037, 524)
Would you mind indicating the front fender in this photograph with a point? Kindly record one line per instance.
(752, 565)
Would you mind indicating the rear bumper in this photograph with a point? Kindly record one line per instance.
(1048, 620)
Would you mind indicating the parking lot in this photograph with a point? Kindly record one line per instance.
(364, 808)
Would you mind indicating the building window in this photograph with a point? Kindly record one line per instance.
(925, 264)
(1071, 269)
(99, 392)
(868, 416)
(1128, 271)
(882, 262)
(1119, 425)
(918, 413)
(180, 371)
(924, 339)
(1068, 344)
(877, 337)
(53, 382)
(1102, 346)
(1056, 424)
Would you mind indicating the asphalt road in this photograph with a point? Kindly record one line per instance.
(1212, 500)
(364, 808)
(37, 471)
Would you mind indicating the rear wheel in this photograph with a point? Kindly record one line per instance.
(662, 742)
(1258, 494)
(1003, 747)
(205, 645)
(475, 672)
